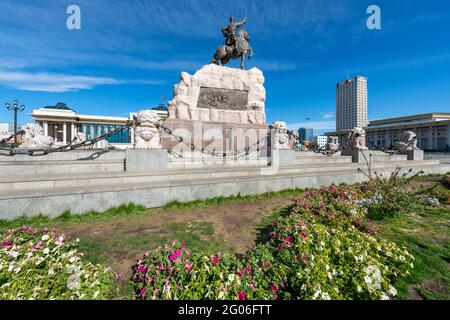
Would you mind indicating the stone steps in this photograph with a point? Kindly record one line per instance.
(80, 199)
(22, 183)
(27, 168)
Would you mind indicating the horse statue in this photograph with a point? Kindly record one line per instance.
(239, 49)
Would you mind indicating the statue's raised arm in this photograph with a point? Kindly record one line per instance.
(236, 44)
(241, 23)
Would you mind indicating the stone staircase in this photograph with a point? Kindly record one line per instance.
(80, 191)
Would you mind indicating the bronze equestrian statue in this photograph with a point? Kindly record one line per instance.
(236, 46)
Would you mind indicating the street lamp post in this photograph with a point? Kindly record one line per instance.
(14, 107)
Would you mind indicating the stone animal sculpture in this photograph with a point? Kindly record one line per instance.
(357, 139)
(280, 136)
(408, 141)
(79, 138)
(32, 137)
(147, 132)
(333, 144)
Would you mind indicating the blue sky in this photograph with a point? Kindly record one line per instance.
(130, 53)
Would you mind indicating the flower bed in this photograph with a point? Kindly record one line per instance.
(43, 265)
(324, 249)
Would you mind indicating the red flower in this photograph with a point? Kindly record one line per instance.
(241, 295)
(182, 245)
(287, 240)
(6, 243)
(274, 288)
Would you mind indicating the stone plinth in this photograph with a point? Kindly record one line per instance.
(145, 160)
(218, 136)
(282, 158)
(220, 94)
(414, 155)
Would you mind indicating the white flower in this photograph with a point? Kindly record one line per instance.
(384, 296)
(221, 295)
(73, 282)
(392, 291)
(45, 237)
(358, 288)
(46, 251)
(231, 277)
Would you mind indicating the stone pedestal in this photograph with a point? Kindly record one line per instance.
(220, 94)
(358, 156)
(413, 155)
(282, 158)
(145, 160)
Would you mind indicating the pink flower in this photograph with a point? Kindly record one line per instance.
(274, 288)
(241, 295)
(172, 257)
(239, 272)
(287, 240)
(304, 235)
(6, 243)
(177, 253)
(266, 264)
(188, 267)
(182, 245)
(141, 269)
(161, 267)
(281, 248)
(216, 260)
(248, 269)
(26, 229)
(143, 291)
(39, 245)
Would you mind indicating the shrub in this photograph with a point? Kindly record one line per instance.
(43, 265)
(334, 206)
(336, 263)
(324, 249)
(392, 196)
(172, 272)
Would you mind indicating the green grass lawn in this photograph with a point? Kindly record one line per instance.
(427, 238)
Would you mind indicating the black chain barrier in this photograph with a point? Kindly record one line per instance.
(209, 152)
(71, 146)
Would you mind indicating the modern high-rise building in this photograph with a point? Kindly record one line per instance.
(306, 134)
(351, 104)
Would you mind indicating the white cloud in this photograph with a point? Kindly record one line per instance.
(54, 82)
(316, 125)
(327, 115)
(51, 82)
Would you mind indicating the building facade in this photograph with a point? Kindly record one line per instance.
(63, 123)
(321, 141)
(432, 130)
(351, 104)
(306, 134)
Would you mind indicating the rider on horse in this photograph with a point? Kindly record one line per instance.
(230, 31)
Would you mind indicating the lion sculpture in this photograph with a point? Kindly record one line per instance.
(280, 136)
(408, 141)
(333, 144)
(147, 133)
(357, 139)
(32, 137)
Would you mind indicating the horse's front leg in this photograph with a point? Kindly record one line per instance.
(243, 60)
(250, 56)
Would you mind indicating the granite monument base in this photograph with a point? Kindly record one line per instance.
(282, 158)
(414, 155)
(145, 160)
